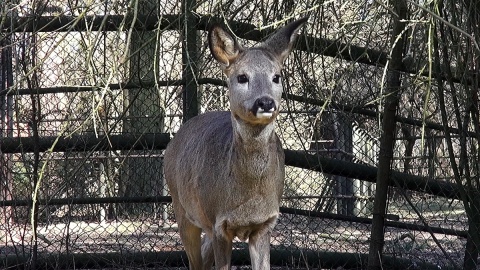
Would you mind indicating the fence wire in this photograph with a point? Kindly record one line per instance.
(92, 91)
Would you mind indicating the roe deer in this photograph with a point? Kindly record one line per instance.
(225, 170)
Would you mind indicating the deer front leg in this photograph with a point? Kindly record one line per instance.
(222, 249)
(259, 247)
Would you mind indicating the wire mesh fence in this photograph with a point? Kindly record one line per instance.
(92, 91)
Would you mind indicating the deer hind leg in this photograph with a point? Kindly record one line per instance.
(191, 240)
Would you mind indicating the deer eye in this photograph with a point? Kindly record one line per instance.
(242, 78)
(276, 78)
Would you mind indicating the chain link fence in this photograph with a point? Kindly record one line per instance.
(92, 91)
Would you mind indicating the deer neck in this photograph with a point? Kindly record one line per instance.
(252, 138)
(253, 153)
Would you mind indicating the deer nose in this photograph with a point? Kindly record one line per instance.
(264, 107)
(265, 103)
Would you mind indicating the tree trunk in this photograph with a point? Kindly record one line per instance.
(145, 109)
(387, 140)
(465, 168)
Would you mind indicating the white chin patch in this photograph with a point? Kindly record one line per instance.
(265, 114)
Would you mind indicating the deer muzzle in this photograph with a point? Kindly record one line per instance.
(264, 107)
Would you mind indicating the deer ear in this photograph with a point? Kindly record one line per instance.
(223, 45)
(281, 42)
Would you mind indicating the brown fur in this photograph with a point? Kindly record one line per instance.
(225, 170)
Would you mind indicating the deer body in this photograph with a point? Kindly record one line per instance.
(225, 170)
(230, 177)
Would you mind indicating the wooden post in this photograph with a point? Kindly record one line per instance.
(189, 60)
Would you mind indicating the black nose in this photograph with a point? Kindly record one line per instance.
(265, 104)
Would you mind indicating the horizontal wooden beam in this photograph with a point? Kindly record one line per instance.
(320, 46)
(64, 23)
(279, 256)
(300, 159)
(284, 210)
(363, 220)
(113, 86)
(89, 200)
(84, 143)
(304, 160)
